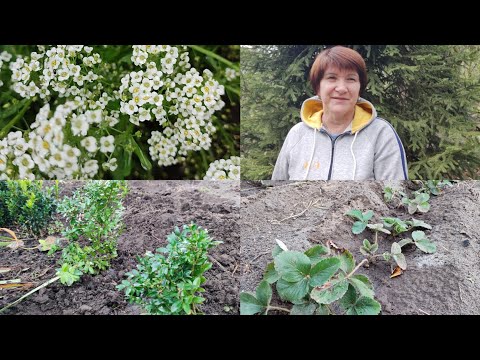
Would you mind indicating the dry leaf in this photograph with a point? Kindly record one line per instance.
(4, 270)
(12, 286)
(16, 244)
(47, 243)
(10, 232)
(396, 272)
(330, 244)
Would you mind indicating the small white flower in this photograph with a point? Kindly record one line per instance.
(107, 144)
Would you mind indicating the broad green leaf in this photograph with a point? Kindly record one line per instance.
(292, 266)
(358, 227)
(322, 310)
(374, 248)
(367, 215)
(356, 214)
(367, 244)
(327, 295)
(412, 208)
(420, 224)
(315, 253)
(303, 309)
(378, 227)
(349, 299)
(423, 207)
(396, 249)
(347, 262)
(292, 291)
(404, 242)
(365, 306)
(422, 198)
(418, 235)
(271, 275)
(264, 293)
(144, 161)
(276, 251)
(249, 305)
(323, 271)
(363, 285)
(426, 246)
(400, 260)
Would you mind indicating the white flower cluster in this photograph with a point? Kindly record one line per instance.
(44, 147)
(63, 69)
(231, 74)
(182, 101)
(4, 57)
(224, 169)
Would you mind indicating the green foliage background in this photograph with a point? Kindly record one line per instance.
(225, 142)
(429, 93)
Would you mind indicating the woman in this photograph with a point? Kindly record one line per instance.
(340, 136)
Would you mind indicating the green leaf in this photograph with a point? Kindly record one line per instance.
(276, 251)
(404, 242)
(400, 260)
(264, 293)
(412, 208)
(349, 299)
(323, 271)
(292, 291)
(249, 305)
(378, 227)
(420, 224)
(358, 227)
(426, 246)
(396, 249)
(347, 262)
(303, 309)
(418, 235)
(315, 253)
(356, 214)
(327, 295)
(292, 266)
(271, 275)
(363, 285)
(144, 161)
(365, 306)
(367, 244)
(424, 207)
(367, 215)
(322, 310)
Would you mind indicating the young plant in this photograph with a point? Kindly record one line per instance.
(312, 281)
(168, 281)
(363, 218)
(28, 204)
(397, 225)
(388, 194)
(93, 215)
(419, 203)
(421, 241)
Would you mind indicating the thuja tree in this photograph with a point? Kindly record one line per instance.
(117, 112)
(430, 94)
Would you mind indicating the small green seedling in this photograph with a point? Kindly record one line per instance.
(414, 223)
(388, 194)
(312, 281)
(422, 242)
(395, 224)
(419, 203)
(363, 218)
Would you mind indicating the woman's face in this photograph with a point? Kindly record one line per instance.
(339, 90)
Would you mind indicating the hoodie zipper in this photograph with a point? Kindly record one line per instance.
(333, 151)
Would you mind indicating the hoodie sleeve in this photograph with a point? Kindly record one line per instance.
(280, 172)
(390, 160)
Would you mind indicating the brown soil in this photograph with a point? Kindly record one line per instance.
(446, 282)
(152, 210)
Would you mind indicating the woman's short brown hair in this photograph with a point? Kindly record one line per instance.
(342, 58)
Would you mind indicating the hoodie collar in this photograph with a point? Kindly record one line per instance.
(312, 110)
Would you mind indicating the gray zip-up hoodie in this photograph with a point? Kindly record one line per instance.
(369, 149)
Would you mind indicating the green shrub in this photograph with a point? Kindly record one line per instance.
(168, 281)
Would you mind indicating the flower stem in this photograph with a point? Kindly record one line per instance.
(215, 56)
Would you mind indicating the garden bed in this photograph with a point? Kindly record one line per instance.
(152, 210)
(446, 282)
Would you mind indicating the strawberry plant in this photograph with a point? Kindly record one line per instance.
(315, 282)
(362, 220)
(167, 282)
